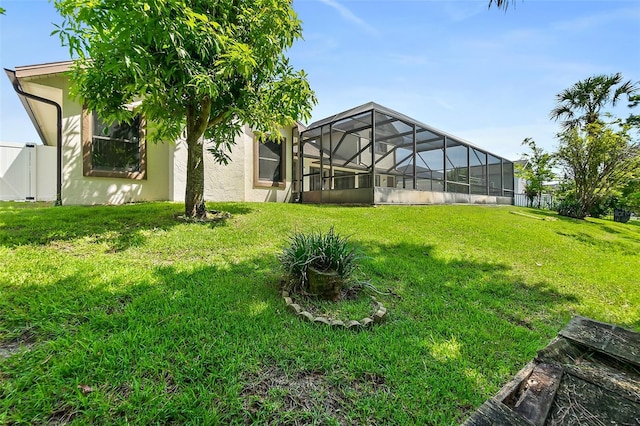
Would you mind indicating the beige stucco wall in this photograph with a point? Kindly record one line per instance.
(45, 173)
(234, 181)
(80, 189)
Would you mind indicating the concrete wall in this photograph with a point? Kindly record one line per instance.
(406, 196)
(27, 172)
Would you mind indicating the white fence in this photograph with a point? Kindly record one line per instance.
(27, 172)
(544, 202)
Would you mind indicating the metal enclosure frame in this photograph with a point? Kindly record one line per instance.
(374, 155)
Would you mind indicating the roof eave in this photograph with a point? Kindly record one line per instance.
(15, 83)
(43, 69)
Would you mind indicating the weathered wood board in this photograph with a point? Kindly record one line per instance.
(606, 338)
(589, 374)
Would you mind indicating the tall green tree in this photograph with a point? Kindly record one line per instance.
(599, 159)
(634, 119)
(537, 170)
(585, 102)
(201, 68)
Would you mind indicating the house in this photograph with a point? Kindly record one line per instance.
(98, 164)
(367, 155)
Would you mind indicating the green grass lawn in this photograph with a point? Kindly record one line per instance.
(123, 315)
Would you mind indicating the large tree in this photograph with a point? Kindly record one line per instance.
(585, 102)
(598, 159)
(200, 68)
(597, 156)
(536, 171)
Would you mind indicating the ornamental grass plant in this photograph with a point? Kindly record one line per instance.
(327, 252)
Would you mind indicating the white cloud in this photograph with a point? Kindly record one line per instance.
(350, 16)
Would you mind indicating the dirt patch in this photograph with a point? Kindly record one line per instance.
(273, 396)
(212, 216)
(24, 342)
(62, 416)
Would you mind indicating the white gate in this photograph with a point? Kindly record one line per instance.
(27, 172)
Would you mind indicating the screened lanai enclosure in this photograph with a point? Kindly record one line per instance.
(373, 155)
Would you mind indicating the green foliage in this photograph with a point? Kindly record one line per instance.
(584, 103)
(570, 207)
(599, 160)
(634, 119)
(603, 206)
(203, 67)
(324, 252)
(630, 195)
(537, 170)
(501, 4)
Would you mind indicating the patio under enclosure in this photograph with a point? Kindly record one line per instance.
(373, 155)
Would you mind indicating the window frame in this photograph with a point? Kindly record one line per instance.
(257, 182)
(87, 152)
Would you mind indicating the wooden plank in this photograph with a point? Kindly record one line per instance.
(606, 338)
(514, 385)
(561, 351)
(495, 413)
(578, 360)
(536, 400)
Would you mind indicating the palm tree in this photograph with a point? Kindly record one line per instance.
(502, 4)
(582, 103)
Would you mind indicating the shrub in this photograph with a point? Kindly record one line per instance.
(604, 206)
(570, 207)
(324, 252)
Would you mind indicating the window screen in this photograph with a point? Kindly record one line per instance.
(115, 147)
(270, 161)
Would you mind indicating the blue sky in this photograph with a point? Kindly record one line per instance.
(484, 75)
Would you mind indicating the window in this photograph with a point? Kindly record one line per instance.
(118, 150)
(270, 163)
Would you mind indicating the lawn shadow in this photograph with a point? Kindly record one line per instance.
(147, 343)
(474, 322)
(183, 343)
(540, 212)
(120, 227)
(233, 208)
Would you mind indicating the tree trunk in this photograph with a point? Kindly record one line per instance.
(197, 119)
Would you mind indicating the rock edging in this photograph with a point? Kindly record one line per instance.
(378, 316)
